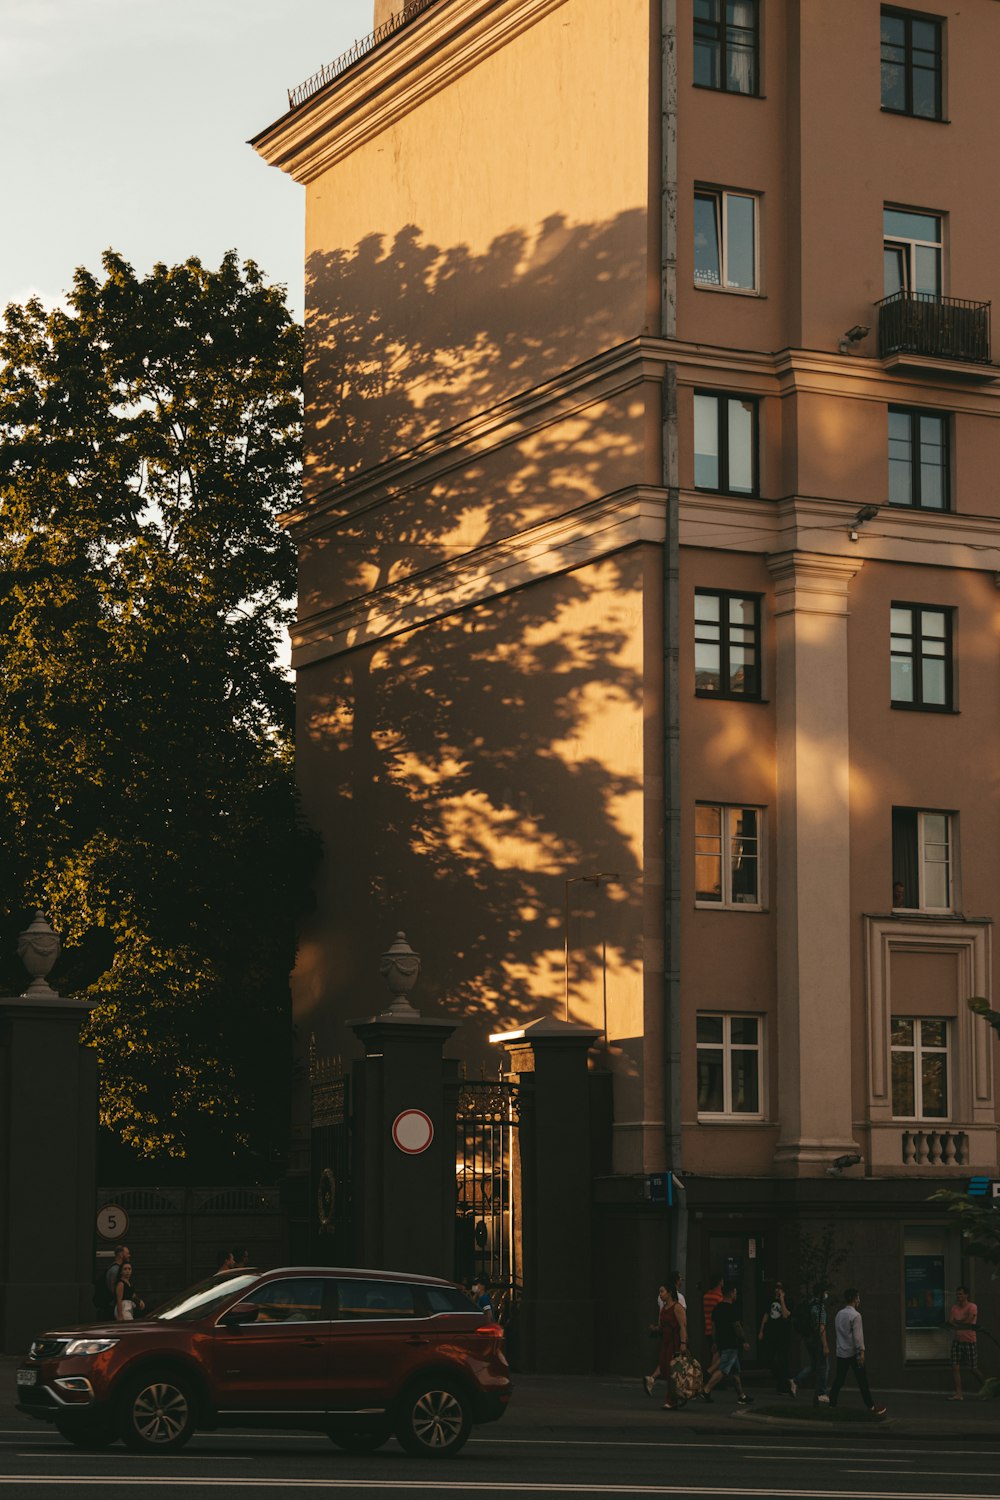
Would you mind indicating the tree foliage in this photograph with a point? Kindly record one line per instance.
(149, 437)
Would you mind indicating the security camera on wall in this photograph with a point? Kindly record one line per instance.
(841, 1163)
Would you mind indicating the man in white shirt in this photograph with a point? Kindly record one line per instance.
(850, 1335)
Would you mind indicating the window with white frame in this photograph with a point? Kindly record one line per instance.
(729, 1066)
(726, 239)
(920, 1068)
(727, 855)
(922, 859)
(912, 253)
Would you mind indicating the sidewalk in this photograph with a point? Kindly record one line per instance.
(608, 1402)
(606, 1405)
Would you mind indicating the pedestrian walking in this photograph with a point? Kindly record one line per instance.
(709, 1303)
(128, 1303)
(809, 1319)
(774, 1335)
(673, 1341)
(105, 1284)
(964, 1343)
(850, 1345)
(225, 1261)
(730, 1341)
(482, 1298)
(677, 1283)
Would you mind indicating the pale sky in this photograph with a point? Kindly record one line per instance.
(124, 123)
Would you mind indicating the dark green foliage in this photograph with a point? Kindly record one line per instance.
(149, 437)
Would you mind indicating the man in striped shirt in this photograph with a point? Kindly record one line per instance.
(709, 1303)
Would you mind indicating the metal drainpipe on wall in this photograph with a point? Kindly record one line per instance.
(671, 625)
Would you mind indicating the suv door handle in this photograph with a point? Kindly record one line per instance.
(311, 1339)
(417, 1339)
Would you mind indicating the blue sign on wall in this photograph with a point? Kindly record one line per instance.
(924, 1281)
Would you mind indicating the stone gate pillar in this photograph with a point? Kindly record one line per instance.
(404, 1124)
(48, 1142)
(554, 1177)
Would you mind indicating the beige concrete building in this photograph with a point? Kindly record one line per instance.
(651, 531)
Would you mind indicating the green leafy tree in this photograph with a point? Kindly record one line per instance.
(149, 438)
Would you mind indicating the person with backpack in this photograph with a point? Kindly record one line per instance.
(809, 1320)
(106, 1282)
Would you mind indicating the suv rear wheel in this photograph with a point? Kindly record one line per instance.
(157, 1413)
(433, 1420)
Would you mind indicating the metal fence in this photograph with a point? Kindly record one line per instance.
(354, 54)
(942, 327)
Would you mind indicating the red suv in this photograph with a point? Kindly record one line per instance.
(361, 1355)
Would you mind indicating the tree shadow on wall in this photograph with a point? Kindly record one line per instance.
(463, 770)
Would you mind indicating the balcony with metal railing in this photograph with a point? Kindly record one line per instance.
(949, 334)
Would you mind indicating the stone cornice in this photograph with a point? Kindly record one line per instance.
(409, 66)
(594, 530)
(601, 378)
(930, 538)
(823, 374)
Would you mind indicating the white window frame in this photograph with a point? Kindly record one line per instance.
(917, 1051)
(727, 1049)
(722, 196)
(949, 861)
(909, 247)
(727, 833)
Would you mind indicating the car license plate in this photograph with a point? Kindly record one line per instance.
(26, 1377)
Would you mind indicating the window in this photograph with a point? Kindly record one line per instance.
(726, 644)
(911, 64)
(725, 45)
(729, 1056)
(725, 443)
(912, 252)
(374, 1299)
(922, 877)
(296, 1300)
(919, 1068)
(725, 239)
(920, 653)
(918, 459)
(727, 855)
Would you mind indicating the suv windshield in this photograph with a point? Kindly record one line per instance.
(201, 1301)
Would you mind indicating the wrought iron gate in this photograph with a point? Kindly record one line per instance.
(487, 1223)
(330, 1157)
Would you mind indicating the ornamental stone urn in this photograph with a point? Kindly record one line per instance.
(399, 968)
(38, 948)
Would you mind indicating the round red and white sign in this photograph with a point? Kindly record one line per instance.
(412, 1131)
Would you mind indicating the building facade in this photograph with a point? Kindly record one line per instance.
(647, 652)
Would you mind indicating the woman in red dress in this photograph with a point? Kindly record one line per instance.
(673, 1340)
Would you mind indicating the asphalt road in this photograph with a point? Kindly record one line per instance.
(494, 1463)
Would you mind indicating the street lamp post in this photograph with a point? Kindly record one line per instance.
(594, 880)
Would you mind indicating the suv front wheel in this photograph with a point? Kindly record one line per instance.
(433, 1420)
(157, 1413)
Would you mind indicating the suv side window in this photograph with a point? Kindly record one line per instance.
(447, 1299)
(375, 1299)
(298, 1299)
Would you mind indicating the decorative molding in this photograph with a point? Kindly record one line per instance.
(736, 524)
(582, 536)
(811, 582)
(396, 77)
(606, 375)
(971, 1064)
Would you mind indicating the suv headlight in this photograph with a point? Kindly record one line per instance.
(89, 1346)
